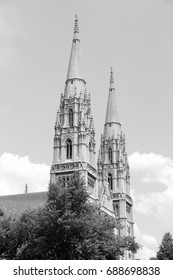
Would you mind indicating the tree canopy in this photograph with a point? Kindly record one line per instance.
(166, 248)
(68, 227)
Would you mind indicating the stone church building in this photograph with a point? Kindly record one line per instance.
(107, 178)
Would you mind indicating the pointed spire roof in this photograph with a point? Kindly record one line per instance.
(75, 67)
(111, 114)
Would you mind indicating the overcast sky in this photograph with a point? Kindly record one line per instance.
(135, 38)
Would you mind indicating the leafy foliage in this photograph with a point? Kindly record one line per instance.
(67, 227)
(166, 248)
(1, 212)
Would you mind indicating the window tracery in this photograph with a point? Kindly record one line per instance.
(110, 181)
(110, 155)
(69, 149)
(70, 117)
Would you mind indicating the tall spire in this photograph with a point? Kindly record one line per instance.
(75, 67)
(112, 124)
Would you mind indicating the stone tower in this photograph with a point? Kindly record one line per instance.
(74, 145)
(74, 139)
(113, 167)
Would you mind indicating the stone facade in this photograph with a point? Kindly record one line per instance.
(74, 140)
(113, 167)
(75, 148)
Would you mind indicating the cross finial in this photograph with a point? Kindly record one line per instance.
(112, 78)
(76, 27)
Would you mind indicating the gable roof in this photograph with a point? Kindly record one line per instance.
(18, 203)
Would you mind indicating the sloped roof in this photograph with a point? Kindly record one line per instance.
(16, 204)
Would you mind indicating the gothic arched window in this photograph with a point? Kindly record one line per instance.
(69, 149)
(110, 155)
(67, 180)
(117, 209)
(110, 182)
(128, 230)
(89, 146)
(70, 117)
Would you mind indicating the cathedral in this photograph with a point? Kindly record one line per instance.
(107, 178)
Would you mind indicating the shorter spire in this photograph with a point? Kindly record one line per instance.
(112, 124)
(76, 28)
(111, 114)
(112, 79)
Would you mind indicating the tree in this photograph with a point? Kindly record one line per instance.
(166, 248)
(1, 212)
(68, 227)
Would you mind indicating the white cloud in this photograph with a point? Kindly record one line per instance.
(148, 242)
(152, 189)
(145, 253)
(152, 169)
(16, 171)
(156, 167)
(149, 203)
